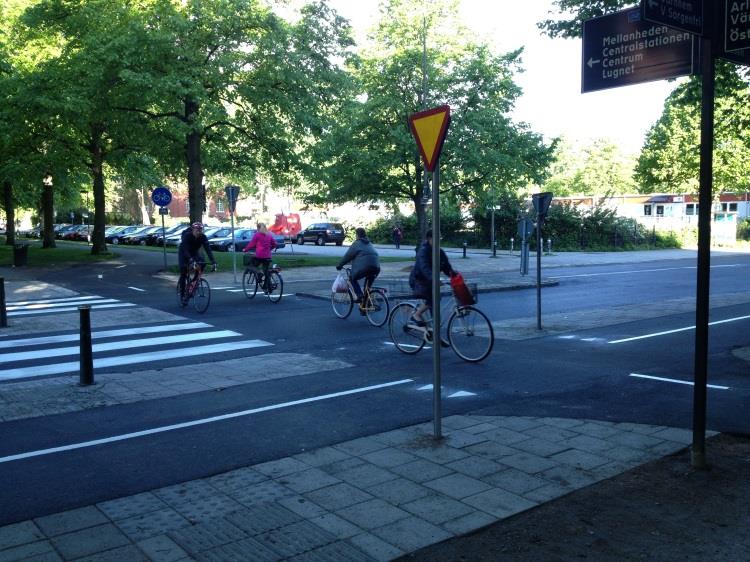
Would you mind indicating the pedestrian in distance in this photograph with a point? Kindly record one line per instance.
(397, 235)
(365, 264)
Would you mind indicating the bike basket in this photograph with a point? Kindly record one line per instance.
(466, 293)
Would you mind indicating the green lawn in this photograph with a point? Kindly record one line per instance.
(38, 256)
(71, 253)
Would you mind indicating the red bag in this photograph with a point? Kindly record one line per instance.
(461, 291)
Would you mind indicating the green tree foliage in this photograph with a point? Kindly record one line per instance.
(371, 155)
(670, 159)
(572, 13)
(600, 167)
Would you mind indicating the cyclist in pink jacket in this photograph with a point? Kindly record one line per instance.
(263, 243)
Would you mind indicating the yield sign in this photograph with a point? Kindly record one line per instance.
(429, 128)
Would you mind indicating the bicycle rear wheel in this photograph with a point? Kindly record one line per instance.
(249, 283)
(406, 339)
(470, 334)
(275, 286)
(342, 303)
(202, 296)
(377, 308)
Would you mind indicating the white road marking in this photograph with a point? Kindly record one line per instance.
(121, 266)
(137, 289)
(677, 381)
(44, 340)
(461, 394)
(40, 306)
(407, 345)
(48, 301)
(685, 329)
(74, 366)
(71, 309)
(194, 423)
(112, 346)
(604, 273)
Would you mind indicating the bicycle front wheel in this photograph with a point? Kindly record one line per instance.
(202, 296)
(275, 286)
(470, 334)
(406, 339)
(378, 308)
(249, 283)
(342, 303)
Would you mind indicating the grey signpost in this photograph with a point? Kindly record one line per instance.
(429, 128)
(162, 197)
(651, 43)
(232, 192)
(541, 202)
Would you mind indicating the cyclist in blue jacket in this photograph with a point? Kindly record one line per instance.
(420, 279)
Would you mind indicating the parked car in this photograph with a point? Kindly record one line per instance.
(176, 229)
(241, 237)
(138, 237)
(62, 232)
(322, 233)
(76, 232)
(116, 237)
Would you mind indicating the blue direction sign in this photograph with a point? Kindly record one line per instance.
(736, 25)
(621, 49)
(686, 15)
(161, 196)
(232, 192)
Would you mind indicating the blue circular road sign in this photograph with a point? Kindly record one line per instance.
(161, 196)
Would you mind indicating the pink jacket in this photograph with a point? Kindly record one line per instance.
(263, 244)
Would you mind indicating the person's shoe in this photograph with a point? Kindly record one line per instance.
(363, 311)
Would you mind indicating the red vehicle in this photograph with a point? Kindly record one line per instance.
(286, 225)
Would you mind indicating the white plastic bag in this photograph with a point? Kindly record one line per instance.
(339, 284)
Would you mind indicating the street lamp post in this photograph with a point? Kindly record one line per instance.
(86, 216)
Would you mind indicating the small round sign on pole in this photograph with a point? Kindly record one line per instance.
(162, 197)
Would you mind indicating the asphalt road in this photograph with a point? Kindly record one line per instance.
(581, 373)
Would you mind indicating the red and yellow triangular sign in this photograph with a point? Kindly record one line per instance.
(429, 128)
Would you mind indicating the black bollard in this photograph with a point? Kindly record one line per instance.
(3, 309)
(464, 250)
(87, 360)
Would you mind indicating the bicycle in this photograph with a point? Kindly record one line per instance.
(271, 284)
(374, 302)
(197, 289)
(469, 331)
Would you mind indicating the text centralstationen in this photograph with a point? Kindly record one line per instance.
(622, 49)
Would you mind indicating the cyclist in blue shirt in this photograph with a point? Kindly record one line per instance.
(420, 279)
(191, 243)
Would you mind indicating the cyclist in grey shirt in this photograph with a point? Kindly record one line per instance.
(365, 262)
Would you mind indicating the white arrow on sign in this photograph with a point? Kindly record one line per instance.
(592, 62)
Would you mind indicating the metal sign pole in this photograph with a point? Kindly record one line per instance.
(538, 273)
(234, 250)
(698, 449)
(164, 237)
(437, 386)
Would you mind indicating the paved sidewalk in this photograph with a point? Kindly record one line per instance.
(373, 498)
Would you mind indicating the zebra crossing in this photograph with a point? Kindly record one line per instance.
(39, 356)
(60, 305)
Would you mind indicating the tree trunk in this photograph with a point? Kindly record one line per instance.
(96, 149)
(143, 206)
(10, 214)
(48, 215)
(196, 195)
